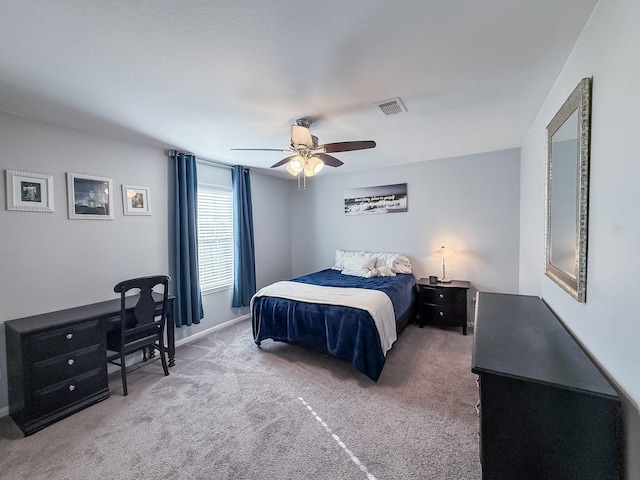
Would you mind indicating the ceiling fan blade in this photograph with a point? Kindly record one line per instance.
(259, 149)
(348, 146)
(301, 136)
(283, 161)
(329, 160)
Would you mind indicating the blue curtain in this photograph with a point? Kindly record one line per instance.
(244, 283)
(188, 303)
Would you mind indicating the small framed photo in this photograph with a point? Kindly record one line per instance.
(29, 192)
(89, 197)
(135, 200)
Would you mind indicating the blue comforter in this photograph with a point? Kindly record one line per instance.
(344, 332)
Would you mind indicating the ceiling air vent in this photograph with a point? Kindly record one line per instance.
(391, 107)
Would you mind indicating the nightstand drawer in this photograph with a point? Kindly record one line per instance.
(448, 296)
(445, 314)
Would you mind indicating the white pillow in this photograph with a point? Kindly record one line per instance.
(401, 264)
(396, 262)
(358, 266)
(341, 255)
(380, 259)
(339, 260)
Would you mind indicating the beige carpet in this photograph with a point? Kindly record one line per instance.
(229, 410)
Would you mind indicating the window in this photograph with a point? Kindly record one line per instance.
(215, 237)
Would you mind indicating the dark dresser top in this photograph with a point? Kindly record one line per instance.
(519, 336)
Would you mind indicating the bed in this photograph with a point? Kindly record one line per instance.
(353, 311)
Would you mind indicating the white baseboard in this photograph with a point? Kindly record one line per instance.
(206, 332)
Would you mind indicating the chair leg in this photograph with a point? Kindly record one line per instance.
(123, 372)
(163, 358)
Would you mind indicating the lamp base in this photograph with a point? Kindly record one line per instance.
(444, 280)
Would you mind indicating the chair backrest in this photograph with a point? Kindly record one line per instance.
(145, 310)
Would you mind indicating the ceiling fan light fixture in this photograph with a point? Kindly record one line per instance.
(291, 170)
(313, 166)
(309, 156)
(308, 171)
(297, 163)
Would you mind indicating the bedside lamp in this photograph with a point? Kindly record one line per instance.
(444, 252)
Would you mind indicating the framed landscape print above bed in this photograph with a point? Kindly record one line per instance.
(372, 200)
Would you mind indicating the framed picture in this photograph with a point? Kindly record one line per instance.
(135, 200)
(29, 192)
(372, 200)
(89, 197)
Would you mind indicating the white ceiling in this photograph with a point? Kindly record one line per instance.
(207, 76)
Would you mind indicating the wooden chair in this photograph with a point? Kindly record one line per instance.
(143, 328)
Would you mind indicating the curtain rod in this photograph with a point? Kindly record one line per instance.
(202, 160)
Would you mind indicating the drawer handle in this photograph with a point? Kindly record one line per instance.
(69, 336)
(442, 295)
(71, 361)
(72, 388)
(441, 314)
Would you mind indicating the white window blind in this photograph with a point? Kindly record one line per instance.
(215, 237)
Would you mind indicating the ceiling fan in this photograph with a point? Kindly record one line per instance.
(308, 157)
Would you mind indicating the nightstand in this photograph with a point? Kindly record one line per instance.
(443, 303)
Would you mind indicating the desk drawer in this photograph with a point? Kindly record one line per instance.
(64, 367)
(65, 394)
(65, 340)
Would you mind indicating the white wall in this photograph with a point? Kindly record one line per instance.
(470, 204)
(608, 323)
(48, 262)
(271, 227)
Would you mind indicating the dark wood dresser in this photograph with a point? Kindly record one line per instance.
(56, 366)
(546, 412)
(443, 303)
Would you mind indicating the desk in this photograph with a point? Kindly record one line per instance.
(57, 361)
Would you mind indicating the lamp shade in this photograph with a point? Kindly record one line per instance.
(443, 252)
